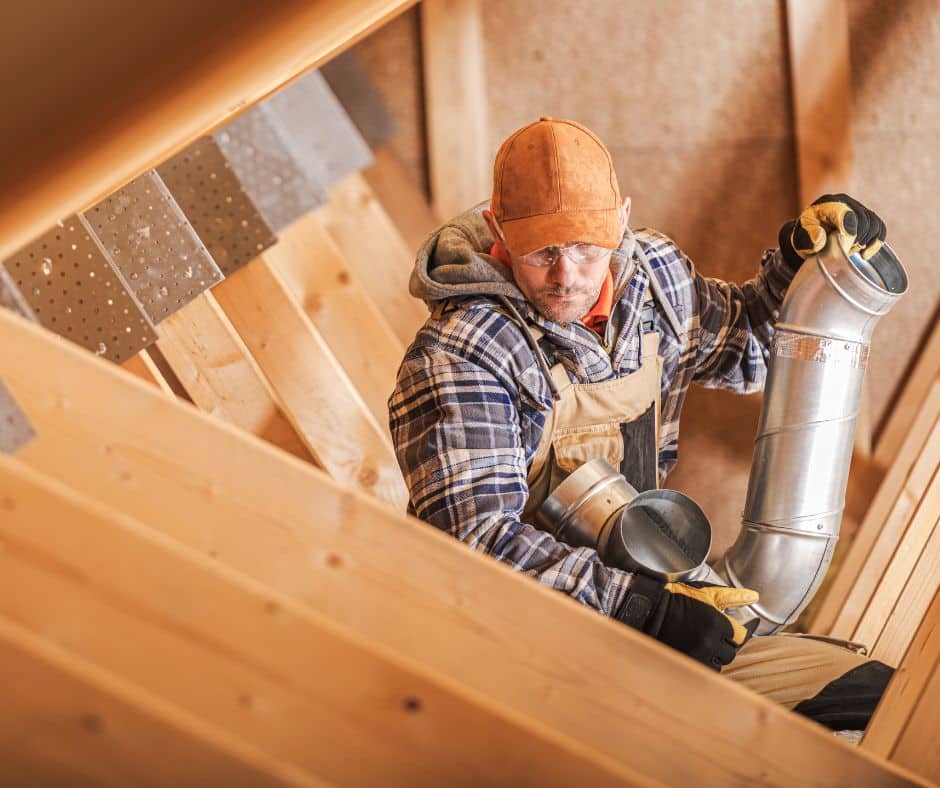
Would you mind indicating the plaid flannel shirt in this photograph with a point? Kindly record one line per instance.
(470, 403)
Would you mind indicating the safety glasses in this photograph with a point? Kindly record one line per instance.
(578, 254)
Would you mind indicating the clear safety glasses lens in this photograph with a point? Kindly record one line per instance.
(578, 254)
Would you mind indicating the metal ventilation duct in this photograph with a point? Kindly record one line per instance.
(796, 491)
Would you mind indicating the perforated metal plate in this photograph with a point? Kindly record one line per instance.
(153, 246)
(213, 200)
(15, 428)
(11, 298)
(74, 291)
(350, 83)
(322, 135)
(258, 149)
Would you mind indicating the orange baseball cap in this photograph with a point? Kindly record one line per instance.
(553, 184)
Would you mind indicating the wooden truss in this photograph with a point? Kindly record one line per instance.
(225, 590)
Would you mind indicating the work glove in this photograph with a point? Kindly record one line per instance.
(690, 617)
(859, 229)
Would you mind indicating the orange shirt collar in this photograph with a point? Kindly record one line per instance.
(598, 314)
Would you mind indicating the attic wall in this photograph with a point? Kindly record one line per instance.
(692, 98)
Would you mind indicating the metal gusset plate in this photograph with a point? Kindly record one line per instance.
(323, 137)
(73, 290)
(11, 297)
(350, 83)
(220, 211)
(153, 245)
(257, 147)
(15, 428)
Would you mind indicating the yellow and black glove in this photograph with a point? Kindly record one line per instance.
(689, 617)
(859, 229)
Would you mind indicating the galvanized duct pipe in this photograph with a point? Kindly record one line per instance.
(796, 490)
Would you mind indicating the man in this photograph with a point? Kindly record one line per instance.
(557, 335)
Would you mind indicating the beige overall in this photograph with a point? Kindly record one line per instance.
(586, 423)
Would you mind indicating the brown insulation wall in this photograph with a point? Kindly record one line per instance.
(692, 98)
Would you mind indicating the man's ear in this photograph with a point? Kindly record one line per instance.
(495, 229)
(625, 212)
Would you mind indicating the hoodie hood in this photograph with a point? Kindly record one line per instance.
(454, 262)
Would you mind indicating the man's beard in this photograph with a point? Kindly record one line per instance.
(567, 311)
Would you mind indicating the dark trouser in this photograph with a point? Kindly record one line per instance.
(820, 680)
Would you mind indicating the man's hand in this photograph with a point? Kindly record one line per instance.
(859, 229)
(689, 617)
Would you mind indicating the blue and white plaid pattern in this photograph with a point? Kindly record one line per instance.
(469, 408)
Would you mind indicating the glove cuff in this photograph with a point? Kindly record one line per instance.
(643, 607)
(790, 254)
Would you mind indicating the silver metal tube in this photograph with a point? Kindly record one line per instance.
(796, 490)
(661, 533)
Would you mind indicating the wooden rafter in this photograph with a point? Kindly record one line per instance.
(884, 526)
(68, 722)
(220, 375)
(142, 366)
(131, 106)
(332, 297)
(820, 74)
(318, 397)
(375, 251)
(258, 666)
(402, 587)
(904, 728)
(455, 104)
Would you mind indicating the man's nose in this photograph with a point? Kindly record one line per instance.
(563, 272)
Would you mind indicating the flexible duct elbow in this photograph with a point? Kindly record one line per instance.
(796, 490)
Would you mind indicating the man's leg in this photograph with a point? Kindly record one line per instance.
(825, 682)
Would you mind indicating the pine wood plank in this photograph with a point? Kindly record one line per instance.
(69, 723)
(459, 159)
(907, 550)
(142, 366)
(227, 56)
(403, 200)
(904, 727)
(332, 297)
(403, 586)
(820, 76)
(376, 253)
(914, 591)
(319, 399)
(253, 663)
(883, 527)
(904, 412)
(220, 375)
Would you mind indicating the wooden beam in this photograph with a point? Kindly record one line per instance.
(459, 158)
(908, 585)
(402, 585)
(905, 410)
(876, 539)
(403, 200)
(332, 297)
(66, 722)
(904, 727)
(184, 67)
(254, 663)
(376, 253)
(220, 375)
(319, 399)
(820, 73)
(143, 367)
(821, 79)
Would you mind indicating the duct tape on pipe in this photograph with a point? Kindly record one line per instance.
(822, 349)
